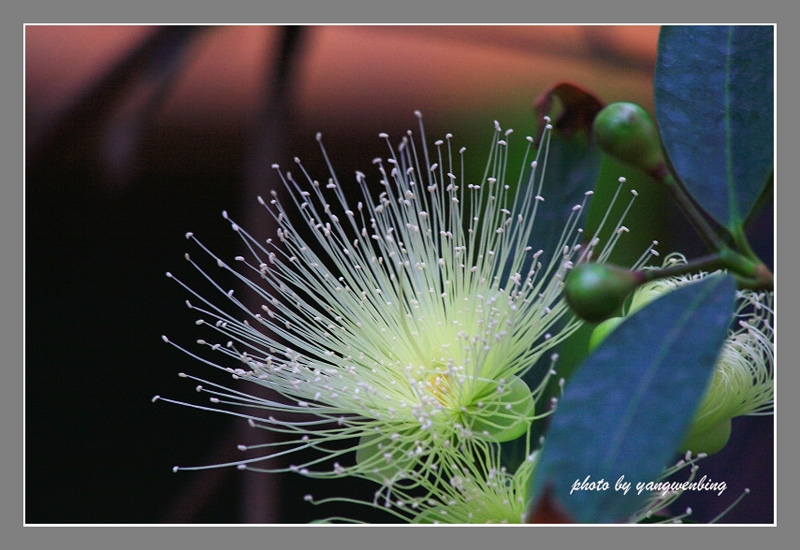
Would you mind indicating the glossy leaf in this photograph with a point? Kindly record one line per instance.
(714, 98)
(573, 159)
(627, 407)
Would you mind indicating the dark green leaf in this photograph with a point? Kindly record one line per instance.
(714, 99)
(626, 408)
(572, 170)
(573, 160)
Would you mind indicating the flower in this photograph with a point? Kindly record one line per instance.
(743, 382)
(395, 326)
(470, 486)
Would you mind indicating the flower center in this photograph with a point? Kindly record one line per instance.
(439, 385)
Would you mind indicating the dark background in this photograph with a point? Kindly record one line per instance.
(136, 135)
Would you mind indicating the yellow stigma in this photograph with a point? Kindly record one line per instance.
(439, 385)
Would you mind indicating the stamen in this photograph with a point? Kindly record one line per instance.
(407, 315)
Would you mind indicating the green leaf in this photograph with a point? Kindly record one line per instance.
(572, 170)
(573, 160)
(714, 98)
(627, 407)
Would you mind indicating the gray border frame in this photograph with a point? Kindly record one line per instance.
(364, 11)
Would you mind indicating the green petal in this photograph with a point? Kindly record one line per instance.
(508, 415)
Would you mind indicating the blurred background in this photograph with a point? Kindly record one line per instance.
(137, 134)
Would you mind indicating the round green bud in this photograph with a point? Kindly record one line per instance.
(709, 441)
(602, 330)
(596, 291)
(625, 132)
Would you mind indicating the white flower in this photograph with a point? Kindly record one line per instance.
(743, 382)
(400, 324)
(470, 486)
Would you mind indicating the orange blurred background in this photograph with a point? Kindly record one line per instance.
(349, 73)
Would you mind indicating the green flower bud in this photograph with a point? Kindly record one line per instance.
(625, 132)
(595, 291)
